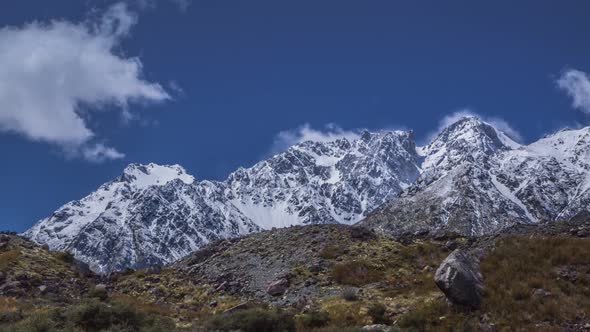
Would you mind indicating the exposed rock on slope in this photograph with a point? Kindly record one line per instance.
(28, 271)
(300, 265)
(459, 278)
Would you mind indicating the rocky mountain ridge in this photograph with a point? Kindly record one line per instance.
(471, 179)
(477, 181)
(156, 214)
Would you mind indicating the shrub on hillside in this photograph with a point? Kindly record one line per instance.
(350, 294)
(355, 273)
(314, 320)
(332, 252)
(377, 312)
(252, 320)
(65, 257)
(37, 322)
(98, 293)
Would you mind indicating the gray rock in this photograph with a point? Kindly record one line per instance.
(278, 287)
(487, 327)
(12, 289)
(42, 288)
(101, 287)
(539, 293)
(459, 278)
(451, 245)
(376, 328)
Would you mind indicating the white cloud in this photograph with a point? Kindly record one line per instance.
(182, 4)
(496, 122)
(99, 153)
(576, 84)
(304, 133)
(53, 73)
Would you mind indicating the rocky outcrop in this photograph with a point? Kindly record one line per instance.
(459, 278)
(29, 271)
(278, 287)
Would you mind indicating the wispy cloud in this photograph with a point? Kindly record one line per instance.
(329, 133)
(496, 122)
(53, 73)
(99, 153)
(182, 5)
(576, 84)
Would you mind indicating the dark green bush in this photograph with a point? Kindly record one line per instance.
(65, 257)
(252, 320)
(37, 322)
(355, 273)
(10, 316)
(91, 316)
(96, 316)
(332, 252)
(98, 293)
(314, 319)
(377, 312)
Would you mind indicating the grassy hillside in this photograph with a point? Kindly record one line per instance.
(332, 277)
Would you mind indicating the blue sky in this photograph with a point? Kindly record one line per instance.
(212, 83)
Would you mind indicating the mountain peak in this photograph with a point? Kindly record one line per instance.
(468, 138)
(143, 176)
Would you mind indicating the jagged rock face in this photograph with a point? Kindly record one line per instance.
(475, 180)
(157, 214)
(330, 182)
(551, 176)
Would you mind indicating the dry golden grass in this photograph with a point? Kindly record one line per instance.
(9, 304)
(512, 271)
(519, 265)
(9, 258)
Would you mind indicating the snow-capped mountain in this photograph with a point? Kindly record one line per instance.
(476, 180)
(328, 182)
(471, 178)
(149, 215)
(156, 214)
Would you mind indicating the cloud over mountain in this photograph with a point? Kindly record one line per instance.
(576, 84)
(303, 133)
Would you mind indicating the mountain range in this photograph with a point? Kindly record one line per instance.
(471, 179)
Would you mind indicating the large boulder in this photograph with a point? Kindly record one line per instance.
(278, 287)
(459, 278)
